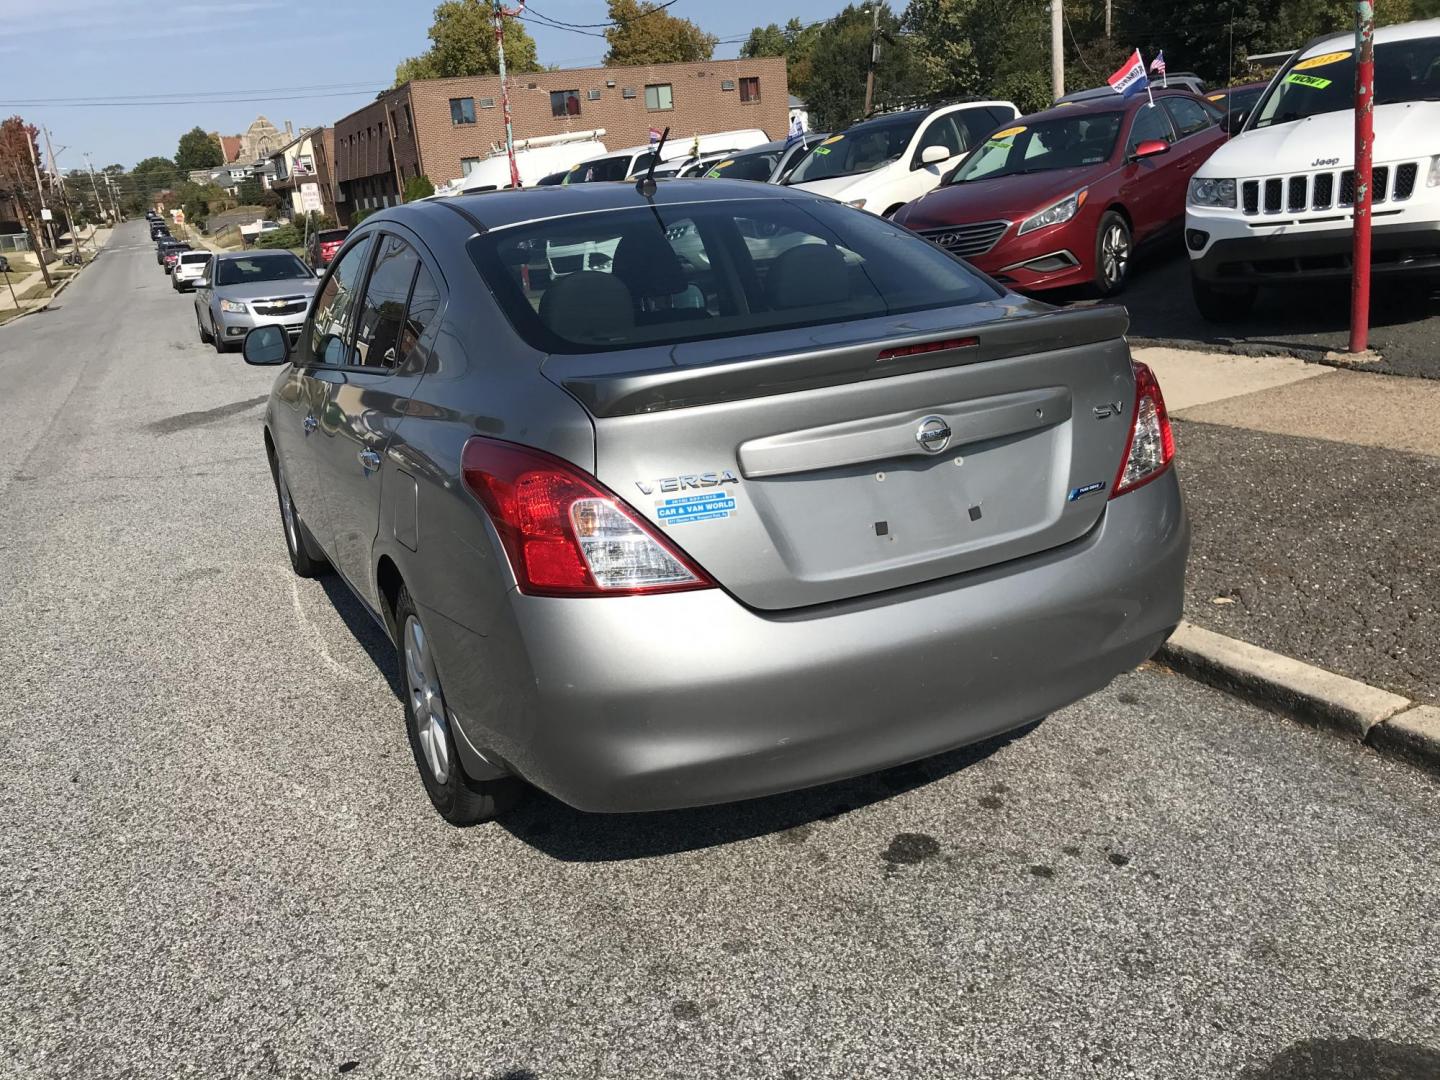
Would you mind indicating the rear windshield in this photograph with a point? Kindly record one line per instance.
(275, 267)
(859, 149)
(610, 168)
(757, 166)
(330, 236)
(1070, 142)
(1404, 71)
(191, 257)
(629, 278)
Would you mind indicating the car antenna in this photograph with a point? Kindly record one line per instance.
(646, 184)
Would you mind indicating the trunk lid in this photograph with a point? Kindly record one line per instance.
(799, 469)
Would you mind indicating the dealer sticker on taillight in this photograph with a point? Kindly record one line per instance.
(707, 506)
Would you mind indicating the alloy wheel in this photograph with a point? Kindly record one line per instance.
(287, 515)
(1114, 254)
(427, 703)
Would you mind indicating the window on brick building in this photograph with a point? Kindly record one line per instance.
(750, 89)
(564, 102)
(659, 96)
(409, 120)
(462, 110)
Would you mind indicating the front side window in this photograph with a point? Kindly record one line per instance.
(564, 102)
(750, 89)
(941, 132)
(272, 266)
(462, 110)
(630, 278)
(859, 149)
(332, 319)
(1150, 123)
(1404, 71)
(1070, 142)
(1188, 115)
(659, 96)
(382, 315)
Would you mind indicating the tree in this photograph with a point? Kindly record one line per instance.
(462, 42)
(764, 41)
(418, 187)
(944, 60)
(249, 191)
(114, 170)
(834, 89)
(153, 175)
(19, 150)
(643, 32)
(794, 43)
(197, 150)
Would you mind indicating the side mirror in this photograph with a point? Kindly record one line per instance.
(1149, 148)
(266, 346)
(1233, 121)
(933, 155)
(202, 283)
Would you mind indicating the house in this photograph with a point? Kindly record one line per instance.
(302, 174)
(441, 128)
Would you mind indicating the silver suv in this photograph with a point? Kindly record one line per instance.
(716, 493)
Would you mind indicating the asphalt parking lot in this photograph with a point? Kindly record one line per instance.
(1306, 322)
(216, 859)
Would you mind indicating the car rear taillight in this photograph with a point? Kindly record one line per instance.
(1150, 448)
(564, 533)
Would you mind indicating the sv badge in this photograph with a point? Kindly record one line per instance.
(1107, 409)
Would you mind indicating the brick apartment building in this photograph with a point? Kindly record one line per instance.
(437, 127)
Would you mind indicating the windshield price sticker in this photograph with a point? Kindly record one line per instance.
(831, 139)
(1321, 61)
(1312, 81)
(822, 149)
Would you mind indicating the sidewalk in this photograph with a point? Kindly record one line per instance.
(1315, 499)
(58, 271)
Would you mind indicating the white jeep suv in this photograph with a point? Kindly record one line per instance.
(882, 163)
(1273, 205)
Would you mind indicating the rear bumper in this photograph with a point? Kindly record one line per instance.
(1280, 258)
(645, 703)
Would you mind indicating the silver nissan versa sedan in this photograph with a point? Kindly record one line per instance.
(714, 493)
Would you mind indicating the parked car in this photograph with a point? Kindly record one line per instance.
(881, 164)
(172, 253)
(768, 163)
(158, 229)
(690, 535)
(1273, 206)
(620, 164)
(1237, 99)
(245, 289)
(1176, 80)
(323, 245)
(1066, 196)
(164, 246)
(189, 268)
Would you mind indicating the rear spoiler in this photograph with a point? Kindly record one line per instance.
(656, 390)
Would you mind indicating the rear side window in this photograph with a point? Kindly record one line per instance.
(1189, 117)
(630, 278)
(974, 125)
(330, 326)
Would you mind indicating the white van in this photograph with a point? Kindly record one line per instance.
(620, 164)
(533, 162)
(1273, 205)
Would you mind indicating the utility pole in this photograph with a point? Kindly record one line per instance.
(64, 195)
(1057, 49)
(99, 202)
(874, 56)
(1364, 139)
(38, 239)
(501, 13)
(1107, 20)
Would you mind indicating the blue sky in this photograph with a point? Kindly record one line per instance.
(101, 49)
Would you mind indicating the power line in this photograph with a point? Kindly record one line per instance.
(91, 103)
(360, 86)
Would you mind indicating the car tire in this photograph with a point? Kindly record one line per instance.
(200, 327)
(458, 799)
(299, 544)
(219, 345)
(1222, 305)
(1114, 251)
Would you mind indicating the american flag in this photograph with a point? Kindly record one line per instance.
(1158, 64)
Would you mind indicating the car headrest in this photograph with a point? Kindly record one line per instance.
(646, 262)
(806, 276)
(588, 306)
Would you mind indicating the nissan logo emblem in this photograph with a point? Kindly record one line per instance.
(933, 435)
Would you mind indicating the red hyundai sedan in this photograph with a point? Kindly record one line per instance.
(1064, 197)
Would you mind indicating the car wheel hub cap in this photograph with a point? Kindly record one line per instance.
(1116, 253)
(427, 703)
(287, 514)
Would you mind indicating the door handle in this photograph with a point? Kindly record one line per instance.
(370, 460)
(310, 423)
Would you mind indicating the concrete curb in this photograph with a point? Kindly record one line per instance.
(1388, 722)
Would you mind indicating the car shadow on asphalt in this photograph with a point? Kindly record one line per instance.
(562, 832)
(365, 630)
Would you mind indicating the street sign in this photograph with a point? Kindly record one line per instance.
(310, 200)
(46, 215)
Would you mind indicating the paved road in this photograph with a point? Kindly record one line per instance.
(216, 860)
(1308, 322)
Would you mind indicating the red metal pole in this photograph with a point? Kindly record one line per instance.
(1364, 138)
(500, 14)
